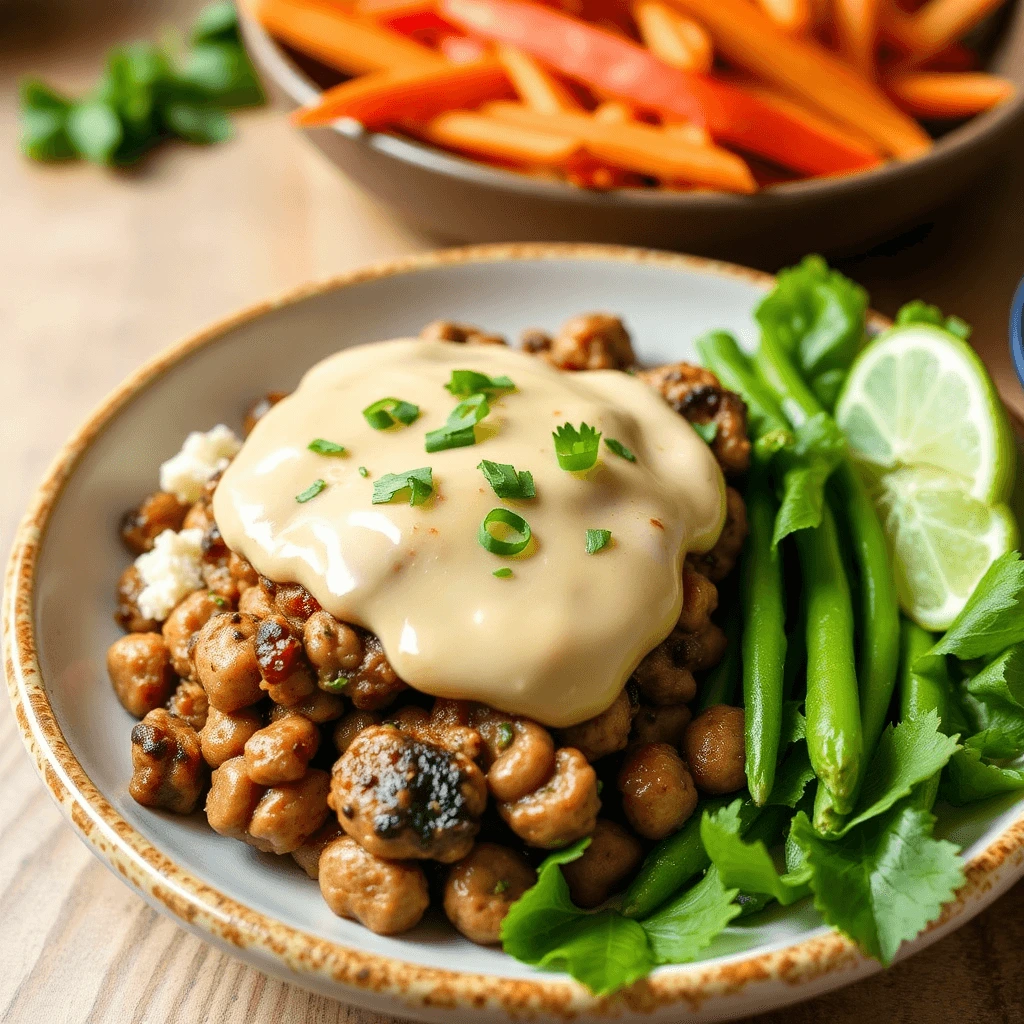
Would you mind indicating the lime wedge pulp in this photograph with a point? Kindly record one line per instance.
(926, 425)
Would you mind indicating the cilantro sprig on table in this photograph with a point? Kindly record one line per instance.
(146, 94)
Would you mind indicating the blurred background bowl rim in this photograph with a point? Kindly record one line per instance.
(1017, 331)
(272, 60)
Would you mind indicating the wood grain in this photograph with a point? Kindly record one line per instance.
(98, 272)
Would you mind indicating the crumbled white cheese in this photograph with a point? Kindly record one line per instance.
(170, 572)
(202, 456)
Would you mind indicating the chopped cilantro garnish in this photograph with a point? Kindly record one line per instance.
(576, 449)
(458, 431)
(418, 482)
(471, 382)
(620, 449)
(598, 539)
(506, 482)
(323, 447)
(502, 574)
(311, 491)
(363, 471)
(707, 431)
(336, 685)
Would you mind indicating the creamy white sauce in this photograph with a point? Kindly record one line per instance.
(558, 640)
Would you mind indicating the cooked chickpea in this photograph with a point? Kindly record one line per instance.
(661, 725)
(604, 734)
(199, 516)
(520, 753)
(319, 707)
(225, 661)
(168, 769)
(242, 572)
(139, 667)
(350, 726)
(189, 702)
(658, 794)
(715, 749)
(256, 602)
(662, 681)
(717, 563)
(225, 733)
(562, 810)
(127, 615)
(592, 341)
(333, 647)
(445, 725)
(482, 886)
(702, 650)
(611, 858)
(290, 812)
(459, 334)
(287, 675)
(293, 601)
(183, 624)
(307, 856)
(281, 751)
(386, 896)
(700, 599)
(374, 684)
(158, 512)
(232, 799)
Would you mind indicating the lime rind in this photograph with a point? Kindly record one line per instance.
(920, 396)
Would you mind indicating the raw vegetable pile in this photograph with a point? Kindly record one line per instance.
(729, 95)
(858, 719)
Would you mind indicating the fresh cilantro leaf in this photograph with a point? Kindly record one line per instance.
(680, 930)
(598, 540)
(707, 431)
(322, 446)
(95, 131)
(216, 22)
(44, 122)
(746, 866)
(882, 882)
(792, 778)
(506, 482)
(311, 491)
(620, 449)
(908, 753)
(458, 430)
(470, 382)
(200, 124)
(920, 312)
(969, 777)
(576, 449)
(418, 482)
(994, 701)
(993, 618)
(817, 314)
(794, 725)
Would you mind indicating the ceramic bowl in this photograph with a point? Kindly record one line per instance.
(457, 199)
(57, 626)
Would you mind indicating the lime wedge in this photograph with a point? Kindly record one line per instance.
(919, 396)
(927, 428)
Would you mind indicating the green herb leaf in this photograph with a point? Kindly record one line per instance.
(198, 123)
(620, 449)
(576, 449)
(363, 471)
(502, 574)
(993, 618)
(419, 483)
(506, 482)
(883, 882)
(471, 382)
(920, 312)
(993, 700)
(216, 21)
(969, 777)
(597, 540)
(518, 529)
(707, 431)
(505, 736)
(95, 131)
(685, 926)
(747, 866)
(311, 491)
(324, 447)
(817, 315)
(458, 431)
(792, 777)
(336, 685)
(390, 412)
(44, 120)
(794, 725)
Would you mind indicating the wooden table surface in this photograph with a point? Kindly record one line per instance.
(98, 272)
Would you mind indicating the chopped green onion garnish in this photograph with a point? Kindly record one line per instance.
(458, 431)
(505, 736)
(502, 574)
(598, 539)
(620, 449)
(335, 685)
(517, 526)
(708, 431)
(470, 382)
(218, 600)
(311, 491)
(576, 449)
(500, 886)
(600, 786)
(418, 482)
(506, 482)
(322, 447)
(388, 411)
(363, 471)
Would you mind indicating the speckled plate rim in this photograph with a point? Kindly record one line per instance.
(767, 979)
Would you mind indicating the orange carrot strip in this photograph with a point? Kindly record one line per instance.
(385, 97)
(536, 88)
(857, 22)
(639, 147)
(955, 57)
(461, 49)
(941, 22)
(802, 67)
(948, 94)
(792, 16)
(384, 9)
(341, 41)
(691, 133)
(673, 38)
(491, 138)
(896, 26)
(614, 112)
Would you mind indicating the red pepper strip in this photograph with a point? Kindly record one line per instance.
(619, 67)
(383, 98)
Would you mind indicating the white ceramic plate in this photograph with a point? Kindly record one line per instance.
(59, 601)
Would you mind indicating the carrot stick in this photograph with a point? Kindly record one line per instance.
(341, 41)
(386, 97)
(857, 22)
(896, 26)
(792, 16)
(948, 94)
(638, 147)
(495, 139)
(941, 22)
(614, 112)
(803, 68)
(673, 38)
(461, 49)
(955, 57)
(536, 88)
(691, 133)
(384, 9)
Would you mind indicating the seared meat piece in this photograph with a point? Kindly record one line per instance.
(612, 856)
(481, 888)
(717, 563)
(225, 661)
(460, 334)
(168, 769)
(139, 666)
(592, 341)
(287, 674)
(181, 627)
(127, 615)
(662, 679)
(660, 724)
(281, 751)
(225, 733)
(190, 703)
(158, 512)
(604, 734)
